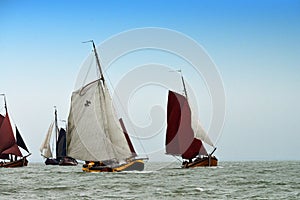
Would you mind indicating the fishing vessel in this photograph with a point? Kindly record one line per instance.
(184, 136)
(10, 154)
(59, 143)
(96, 136)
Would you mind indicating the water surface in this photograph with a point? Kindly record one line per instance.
(230, 180)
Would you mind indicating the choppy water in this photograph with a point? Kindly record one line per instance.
(230, 180)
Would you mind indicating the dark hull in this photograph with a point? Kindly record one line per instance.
(134, 165)
(68, 161)
(18, 163)
(202, 162)
(51, 161)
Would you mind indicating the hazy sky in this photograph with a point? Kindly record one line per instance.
(255, 45)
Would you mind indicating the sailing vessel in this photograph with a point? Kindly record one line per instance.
(96, 136)
(10, 154)
(60, 143)
(181, 139)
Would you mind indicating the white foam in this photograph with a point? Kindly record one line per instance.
(200, 189)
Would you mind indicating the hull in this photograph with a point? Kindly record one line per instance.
(51, 161)
(68, 161)
(134, 165)
(18, 163)
(201, 162)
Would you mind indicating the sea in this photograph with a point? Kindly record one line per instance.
(229, 180)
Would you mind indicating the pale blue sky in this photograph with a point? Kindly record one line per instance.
(255, 44)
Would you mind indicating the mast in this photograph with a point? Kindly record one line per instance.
(56, 125)
(97, 60)
(87, 138)
(56, 130)
(183, 83)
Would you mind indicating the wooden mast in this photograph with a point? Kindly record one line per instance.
(183, 83)
(97, 60)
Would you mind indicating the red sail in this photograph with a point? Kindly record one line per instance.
(180, 135)
(7, 140)
(127, 138)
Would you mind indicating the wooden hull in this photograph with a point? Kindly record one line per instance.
(68, 161)
(18, 163)
(202, 162)
(134, 165)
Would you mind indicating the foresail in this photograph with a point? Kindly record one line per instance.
(20, 141)
(117, 137)
(200, 132)
(45, 148)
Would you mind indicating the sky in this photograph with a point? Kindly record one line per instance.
(254, 44)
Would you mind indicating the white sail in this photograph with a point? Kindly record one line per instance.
(45, 147)
(93, 132)
(200, 133)
(116, 134)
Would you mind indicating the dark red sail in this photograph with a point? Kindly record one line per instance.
(2, 156)
(7, 140)
(180, 135)
(127, 138)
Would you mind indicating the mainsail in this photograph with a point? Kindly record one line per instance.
(94, 132)
(180, 137)
(61, 149)
(8, 143)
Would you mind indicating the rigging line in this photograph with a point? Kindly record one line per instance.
(119, 99)
(88, 71)
(177, 158)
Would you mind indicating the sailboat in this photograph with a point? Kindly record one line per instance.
(96, 136)
(10, 154)
(60, 143)
(181, 139)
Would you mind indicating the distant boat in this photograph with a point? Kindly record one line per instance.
(61, 157)
(96, 136)
(181, 139)
(10, 154)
